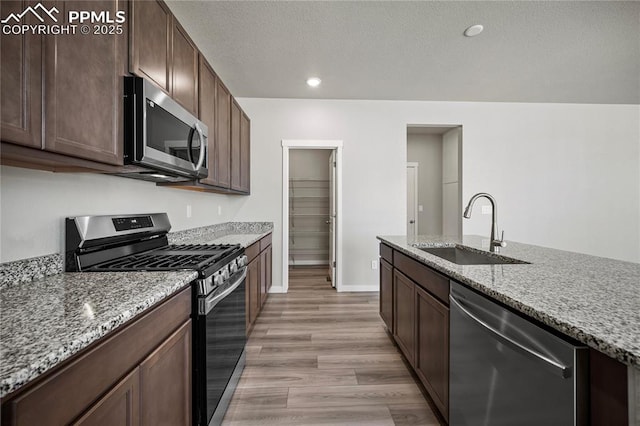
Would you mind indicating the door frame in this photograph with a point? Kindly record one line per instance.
(335, 145)
(416, 167)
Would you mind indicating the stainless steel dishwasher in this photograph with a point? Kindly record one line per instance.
(505, 370)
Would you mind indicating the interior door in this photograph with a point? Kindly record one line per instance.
(412, 199)
(332, 217)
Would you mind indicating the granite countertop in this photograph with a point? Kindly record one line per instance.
(48, 315)
(591, 299)
(46, 321)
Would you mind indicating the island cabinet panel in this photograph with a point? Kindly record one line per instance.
(424, 276)
(223, 134)
(184, 86)
(207, 114)
(21, 81)
(404, 314)
(165, 382)
(119, 407)
(69, 391)
(83, 86)
(432, 359)
(386, 293)
(150, 43)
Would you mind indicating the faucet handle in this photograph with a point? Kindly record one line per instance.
(502, 242)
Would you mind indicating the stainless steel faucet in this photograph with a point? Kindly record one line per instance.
(495, 242)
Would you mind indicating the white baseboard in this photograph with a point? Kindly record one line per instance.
(359, 288)
(275, 289)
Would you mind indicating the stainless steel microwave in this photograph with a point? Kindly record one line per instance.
(162, 138)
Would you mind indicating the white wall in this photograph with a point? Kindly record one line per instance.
(451, 202)
(426, 150)
(565, 176)
(35, 203)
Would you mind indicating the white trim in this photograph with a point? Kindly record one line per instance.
(275, 289)
(359, 288)
(416, 167)
(310, 144)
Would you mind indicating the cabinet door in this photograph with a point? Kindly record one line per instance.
(83, 88)
(223, 134)
(269, 276)
(386, 293)
(184, 87)
(207, 114)
(118, 407)
(21, 81)
(404, 314)
(236, 157)
(432, 360)
(265, 274)
(245, 153)
(165, 382)
(253, 290)
(150, 44)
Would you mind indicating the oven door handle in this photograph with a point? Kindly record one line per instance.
(210, 302)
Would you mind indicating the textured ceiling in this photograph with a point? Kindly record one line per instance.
(546, 51)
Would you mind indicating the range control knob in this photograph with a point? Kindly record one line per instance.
(225, 273)
(242, 261)
(233, 268)
(218, 280)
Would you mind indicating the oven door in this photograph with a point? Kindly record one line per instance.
(219, 349)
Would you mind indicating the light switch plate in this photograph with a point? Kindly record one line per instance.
(420, 208)
(188, 210)
(374, 264)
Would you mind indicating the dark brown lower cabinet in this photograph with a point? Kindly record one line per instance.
(432, 359)
(165, 382)
(259, 277)
(118, 407)
(138, 374)
(404, 314)
(386, 293)
(253, 290)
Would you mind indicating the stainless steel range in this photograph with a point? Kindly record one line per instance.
(139, 243)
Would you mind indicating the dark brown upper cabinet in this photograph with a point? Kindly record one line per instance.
(207, 110)
(184, 76)
(162, 52)
(245, 153)
(223, 134)
(150, 42)
(21, 82)
(70, 82)
(235, 146)
(83, 88)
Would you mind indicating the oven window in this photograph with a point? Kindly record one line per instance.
(170, 135)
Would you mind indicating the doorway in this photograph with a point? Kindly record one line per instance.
(311, 213)
(437, 189)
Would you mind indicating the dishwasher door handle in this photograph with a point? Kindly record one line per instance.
(563, 370)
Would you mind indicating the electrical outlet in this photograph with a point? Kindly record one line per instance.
(485, 243)
(486, 209)
(219, 210)
(188, 210)
(374, 264)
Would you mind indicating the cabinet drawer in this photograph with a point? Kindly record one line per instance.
(386, 253)
(265, 242)
(95, 371)
(424, 276)
(252, 251)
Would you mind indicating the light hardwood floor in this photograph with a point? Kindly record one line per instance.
(318, 357)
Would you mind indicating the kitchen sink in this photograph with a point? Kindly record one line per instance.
(461, 255)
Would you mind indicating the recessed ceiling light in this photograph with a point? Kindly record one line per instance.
(314, 81)
(473, 30)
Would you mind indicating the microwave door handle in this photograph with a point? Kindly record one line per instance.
(203, 147)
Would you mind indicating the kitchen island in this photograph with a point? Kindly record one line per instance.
(595, 301)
